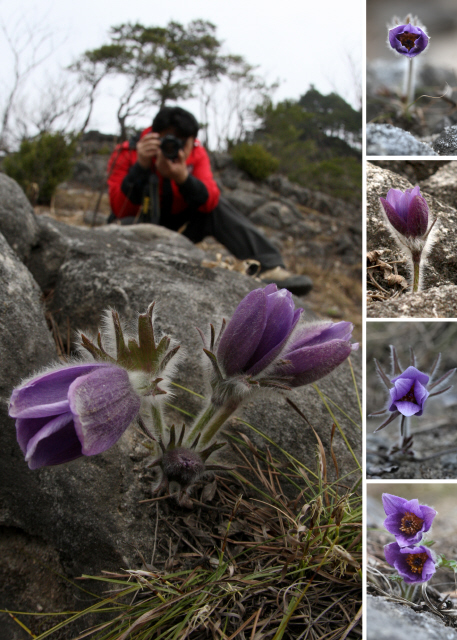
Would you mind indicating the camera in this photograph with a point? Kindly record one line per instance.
(170, 146)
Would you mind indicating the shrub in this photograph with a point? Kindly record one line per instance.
(44, 161)
(255, 160)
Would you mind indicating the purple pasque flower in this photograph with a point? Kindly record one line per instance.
(409, 389)
(414, 564)
(407, 212)
(408, 39)
(314, 351)
(408, 395)
(76, 410)
(407, 520)
(257, 332)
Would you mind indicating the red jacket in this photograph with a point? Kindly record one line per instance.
(127, 179)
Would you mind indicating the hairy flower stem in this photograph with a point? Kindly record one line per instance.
(408, 591)
(416, 270)
(404, 432)
(157, 420)
(410, 88)
(221, 416)
(201, 423)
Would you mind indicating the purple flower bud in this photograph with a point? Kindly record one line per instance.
(409, 394)
(408, 40)
(407, 520)
(315, 351)
(258, 330)
(72, 411)
(414, 564)
(407, 212)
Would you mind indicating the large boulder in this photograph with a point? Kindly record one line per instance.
(18, 222)
(392, 621)
(387, 140)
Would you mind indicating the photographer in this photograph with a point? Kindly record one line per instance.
(166, 178)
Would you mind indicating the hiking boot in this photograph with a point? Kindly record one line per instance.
(299, 285)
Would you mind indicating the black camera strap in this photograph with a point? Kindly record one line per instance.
(150, 210)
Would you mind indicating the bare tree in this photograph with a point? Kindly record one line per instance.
(29, 45)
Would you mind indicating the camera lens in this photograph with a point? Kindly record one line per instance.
(171, 146)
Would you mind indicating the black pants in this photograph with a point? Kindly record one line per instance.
(229, 227)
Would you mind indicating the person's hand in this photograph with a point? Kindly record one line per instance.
(147, 148)
(173, 169)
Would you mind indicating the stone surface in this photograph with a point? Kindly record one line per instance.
(275, 215)
(387, 140)
(391, 621)
(438, 298)
(443, 184)
(446, 143)
(18, 223)
(244, 201)
(437, 302)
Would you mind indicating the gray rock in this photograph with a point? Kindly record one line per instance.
(276, 215)
(17, 219)
(443, 184)
(387, 140)
(244, 201)
(446, 143)
(95, 219)
(391, 621)
(56, 238)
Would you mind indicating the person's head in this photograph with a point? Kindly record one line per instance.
(177, 122)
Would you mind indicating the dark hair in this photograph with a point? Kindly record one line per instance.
(182, 121)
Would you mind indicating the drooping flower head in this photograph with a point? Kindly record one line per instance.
(407, 212)
(409, 389)
(83, 409)
(414, 564)
(407, 520)
(408, 40)
(72, 411)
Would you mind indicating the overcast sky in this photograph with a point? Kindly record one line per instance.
(298, 42)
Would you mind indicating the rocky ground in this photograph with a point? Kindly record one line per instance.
(393, 619)
(388, 289)
(428, 128)
(57, 274)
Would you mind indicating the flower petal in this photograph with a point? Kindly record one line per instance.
(393, 504)
(417, 217)
(394, 217)
(243, 333)
(309, 364)
(413, 374)
(46, 394)
(103, 404)
(280, 315)
(55, 443)
(407, 408)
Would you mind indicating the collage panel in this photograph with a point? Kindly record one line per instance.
(181, 320)
(411, 78)
(411, 560)
(411, 401)
(411, 224)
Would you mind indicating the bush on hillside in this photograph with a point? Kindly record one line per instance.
(41, 164)
(255, 160)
